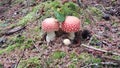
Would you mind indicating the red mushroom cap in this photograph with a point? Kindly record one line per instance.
(71, 24)
(50, 24)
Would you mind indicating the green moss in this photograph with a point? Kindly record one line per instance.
(33, 62)
(74, 58)
(60, 11)
(116, 57)
(9, 48)
(72, 66)
(28, 43)
(58, 55)
(19, 40)
(30, 16)
(49, 61)
(16, 42)
(94, 41)
(37, 29)
(73, 55)
(70, 9)
(115, 24)
(1, 66)
(17, 1)
(95, 11)
(49, 7)
(87, 21)
(87, 58)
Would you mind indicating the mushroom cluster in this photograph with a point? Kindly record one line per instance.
(71, 25)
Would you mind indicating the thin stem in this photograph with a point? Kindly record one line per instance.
(72, 35)
(50, 36)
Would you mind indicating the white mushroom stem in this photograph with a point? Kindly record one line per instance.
(72, 35)
(50, 36)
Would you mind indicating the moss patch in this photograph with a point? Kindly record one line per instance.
(33, 62)
(58, 55)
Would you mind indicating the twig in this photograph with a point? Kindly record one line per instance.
(15, 29)
(91, 47)
(94, 48)
(11, 30)
(86, 66)
(110, 59)
(109, 63)
(101, 63)
(90, 40)
(20, 59)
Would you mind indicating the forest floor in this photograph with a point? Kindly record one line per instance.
(23, 45)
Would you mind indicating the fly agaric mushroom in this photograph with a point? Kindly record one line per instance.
(50, 25)
(71, 25)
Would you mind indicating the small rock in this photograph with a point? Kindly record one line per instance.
(107, 28)
(114, 30)
(118, 33)
(100, 33)
(106, 17)
(119, 47)
(99, 44)
(2, 40)
(66, 41)
(112, 11)
(105, 35)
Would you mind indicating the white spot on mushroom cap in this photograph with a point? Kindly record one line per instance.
(71, 24)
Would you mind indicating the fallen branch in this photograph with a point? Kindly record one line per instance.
(104, 58)
(14, 30)
(97, 49)
(91, 47)
(109, 63)
(90, 65)
(102, 63)
(11, 30)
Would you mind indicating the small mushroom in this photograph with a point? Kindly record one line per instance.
(71, 25)
(50, 25)
(66, 42)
